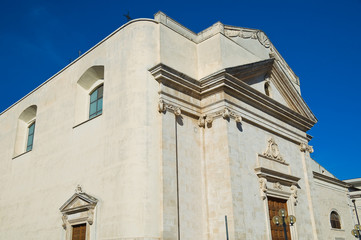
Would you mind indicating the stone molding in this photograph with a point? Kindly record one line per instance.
(354, 194)
(78, 208)
(277, 184)
(231, 81)
(331, 180)
(275, 176)
(203, 119)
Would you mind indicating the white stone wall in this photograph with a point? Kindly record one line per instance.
(161, 174)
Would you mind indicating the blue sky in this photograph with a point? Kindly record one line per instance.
(320, 40)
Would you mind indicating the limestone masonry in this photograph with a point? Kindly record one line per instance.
(160, 133)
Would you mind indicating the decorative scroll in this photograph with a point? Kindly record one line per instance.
(273, 152)
(65, 219)
(163, 106)
(263, 187)
(304, 147)
(294, 193)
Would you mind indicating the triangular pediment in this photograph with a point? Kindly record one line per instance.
(78, 202)
(258, 73)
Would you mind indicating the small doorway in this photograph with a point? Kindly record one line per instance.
(274, 205)
(79, 232)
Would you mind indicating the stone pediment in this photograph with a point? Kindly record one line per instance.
(78, 202)
(233, 81)
(79, 208)
(274, 73)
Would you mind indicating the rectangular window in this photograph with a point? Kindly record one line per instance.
(274, 205)
(96, 102)
(29, 144)
(79, 232)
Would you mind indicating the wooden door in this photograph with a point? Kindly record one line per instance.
(274, 205)
(79, 232)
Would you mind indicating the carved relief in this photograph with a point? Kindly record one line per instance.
(304, 147)
(277, 186)
(65, 219)
(263, 187)
(249, 34)
(272, 151)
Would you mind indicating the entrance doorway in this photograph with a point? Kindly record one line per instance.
(274, 205)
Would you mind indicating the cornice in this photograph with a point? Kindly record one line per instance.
(225, 81)
(331, 180)
(355, 194)
(272, 175)
(290, 94)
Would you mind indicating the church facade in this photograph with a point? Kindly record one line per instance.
(160, 133)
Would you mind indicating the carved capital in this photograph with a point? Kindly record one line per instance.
(163, 106)
(202, 120)
(209, 119)
(226, 113)
(304, 147)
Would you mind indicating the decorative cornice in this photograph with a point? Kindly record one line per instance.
(289, 93)
(275, 176)
(354, 194)
(331, 180)
(230, 81)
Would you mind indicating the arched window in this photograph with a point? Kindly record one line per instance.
(96, 102)
(89, 96)
(25, 131)
(335, 220)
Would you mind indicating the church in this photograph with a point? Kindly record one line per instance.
(159, 133)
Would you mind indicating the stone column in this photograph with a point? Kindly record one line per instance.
(305, 152)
